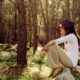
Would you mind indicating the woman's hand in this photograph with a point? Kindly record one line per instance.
(43, 53)
(46, 46)
(44, 49)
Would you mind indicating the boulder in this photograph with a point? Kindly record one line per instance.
(65, 75)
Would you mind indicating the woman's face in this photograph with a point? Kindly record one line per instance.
(62, 31)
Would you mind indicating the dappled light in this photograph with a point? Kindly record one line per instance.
(25, 27)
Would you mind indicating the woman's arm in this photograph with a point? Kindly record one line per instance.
(50, 43)
(43, 50)
(58, 41)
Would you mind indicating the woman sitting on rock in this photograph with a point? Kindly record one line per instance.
(56, 56)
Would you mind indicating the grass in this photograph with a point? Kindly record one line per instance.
(9, 77)
(7, 59)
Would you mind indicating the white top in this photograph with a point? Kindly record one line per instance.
(71, 45)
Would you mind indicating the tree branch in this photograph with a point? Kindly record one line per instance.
(13, 3)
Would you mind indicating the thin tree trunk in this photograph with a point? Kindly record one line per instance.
(68, 9)
(14, 28)
(34, 17)
(30, 21)
(47, 22)
(2, 37)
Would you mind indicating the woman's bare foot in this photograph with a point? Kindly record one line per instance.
(55, 72)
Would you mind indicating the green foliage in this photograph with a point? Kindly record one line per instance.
(26, 76)
(5, 46)
(37, 59)
(7, 64)
(77, 78)
(9, 77)
(7, 59)
(37, 76)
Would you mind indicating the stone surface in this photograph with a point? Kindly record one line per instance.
(65, 75)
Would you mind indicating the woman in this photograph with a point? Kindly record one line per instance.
(57, 57)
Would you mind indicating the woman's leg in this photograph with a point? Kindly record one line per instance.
(57, 56)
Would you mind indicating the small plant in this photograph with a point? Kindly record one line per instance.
(9, 77)
(37, 76)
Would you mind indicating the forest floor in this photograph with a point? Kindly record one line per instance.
(36, 69)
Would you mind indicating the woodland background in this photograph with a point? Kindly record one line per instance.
(27, 24)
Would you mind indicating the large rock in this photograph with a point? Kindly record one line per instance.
(65, 75)
(76, 69)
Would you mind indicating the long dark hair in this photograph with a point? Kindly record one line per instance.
(69, 27)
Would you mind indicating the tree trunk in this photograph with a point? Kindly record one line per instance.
(45, 20)
(34, 18)
(47, 23)
(14, 28)
(22, 34)
(2, 36)
(66, 10)
(30, 22)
